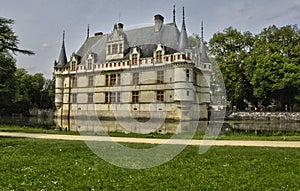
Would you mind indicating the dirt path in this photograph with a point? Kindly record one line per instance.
(294, 144)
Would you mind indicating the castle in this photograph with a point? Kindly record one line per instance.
(133, 73)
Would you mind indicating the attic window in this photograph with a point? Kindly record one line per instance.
(89, 64)
(120, 48)
(108, 49)
(114, 49)
(73, 66)
(134, 59)
(159, 56)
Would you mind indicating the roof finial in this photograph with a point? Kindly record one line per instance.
(183, 18)
(202, 36)
(63, 36)
(88, 31)
(174, 11)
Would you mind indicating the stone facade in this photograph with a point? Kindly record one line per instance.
(139, 73)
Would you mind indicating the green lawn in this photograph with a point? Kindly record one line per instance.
(35, 164)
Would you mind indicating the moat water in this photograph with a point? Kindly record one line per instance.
(166, 127)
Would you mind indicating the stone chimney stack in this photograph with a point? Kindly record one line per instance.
(159, 21)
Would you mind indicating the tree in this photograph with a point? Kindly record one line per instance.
(276, 76)
(7, 83)
(8, 80)
(230, 49)
(8, 40)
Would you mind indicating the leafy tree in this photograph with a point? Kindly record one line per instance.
(48, 91)
(276, 76)
(30, 90)
(8, 79)
(230, 49)
(7, 83)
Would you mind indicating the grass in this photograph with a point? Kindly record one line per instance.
(265, 136)
(36, 164)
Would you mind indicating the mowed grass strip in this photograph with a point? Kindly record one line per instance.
(35, 164)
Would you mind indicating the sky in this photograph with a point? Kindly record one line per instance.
(39, 24)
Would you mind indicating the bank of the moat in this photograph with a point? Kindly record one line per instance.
(283, 116)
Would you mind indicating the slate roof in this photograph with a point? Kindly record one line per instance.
(62, 59)
(203, 54)
(145, 38)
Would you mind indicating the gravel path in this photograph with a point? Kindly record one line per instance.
(293, 144)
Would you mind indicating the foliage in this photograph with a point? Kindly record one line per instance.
(277, 65)
(260, 69)
(230, 49)
(7, 82)
(33, 164)
(8, 40)
(19, 91)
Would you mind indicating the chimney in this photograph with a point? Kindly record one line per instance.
(120, 26)
(98, 33)
(159, 21)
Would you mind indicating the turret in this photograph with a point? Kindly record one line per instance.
(62, 61)
(183, 38)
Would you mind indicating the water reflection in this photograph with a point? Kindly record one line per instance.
(92, 125)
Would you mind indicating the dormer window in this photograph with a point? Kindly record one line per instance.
(159, 56)
(108, 49)
(73, 67)
(134, 59)
(89, 64)
(120, 48)
(115, 43)
(114, 49)
(158, 53)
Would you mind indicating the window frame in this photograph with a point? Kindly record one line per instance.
(135, 96)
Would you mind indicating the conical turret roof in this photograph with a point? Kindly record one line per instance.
(203, 57)
(183, 38)
(62, 59)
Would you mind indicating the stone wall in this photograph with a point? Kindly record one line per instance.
(288, 116)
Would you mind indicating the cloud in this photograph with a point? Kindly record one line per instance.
(45, 45)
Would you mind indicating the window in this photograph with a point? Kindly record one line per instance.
(89, 64)
(107, 97)
(74, 82)
(160, 77)
(113, 79)
(107, 80)
(114, 49)
(91, 81)
(118, 97)
(135, 78)
(120, 48)
(159, 56)
(160, 95)
(187, 73)
(73, 66)
(195, 78)
(74, 98)
(113, 97)
(90, 97)
(119, 79)
(135, 97)
(134, 59)
(108, 49)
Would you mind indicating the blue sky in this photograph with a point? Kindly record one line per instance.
(39, 23)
